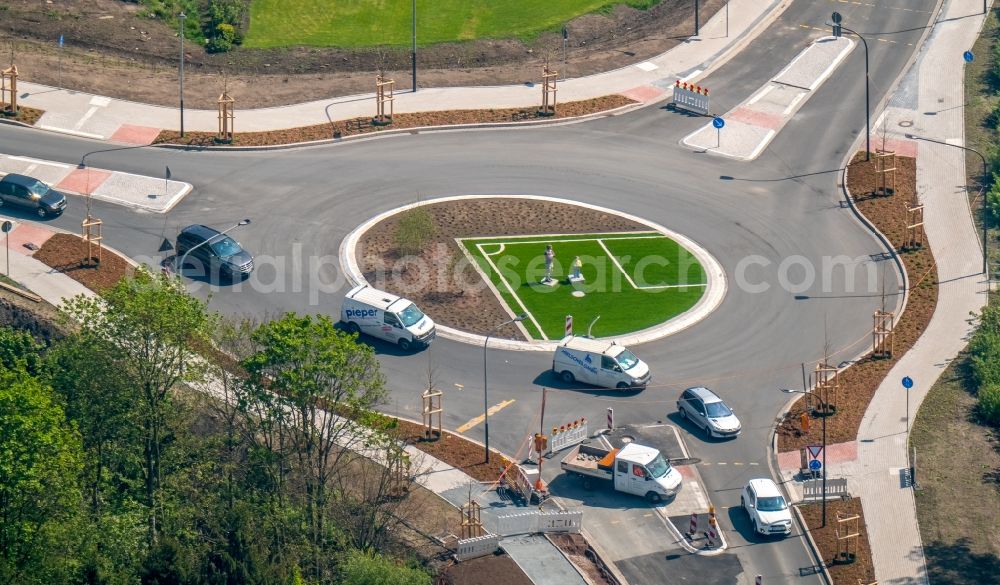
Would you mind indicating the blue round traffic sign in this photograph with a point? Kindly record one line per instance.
(907, 382)
(968, 56)
(815, 464)
(718, 122)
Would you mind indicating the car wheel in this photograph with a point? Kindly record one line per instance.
(708, 430)
(404, 344)
(354, 328)
(568, 377)
(588, 484)
(41, 212)
(756, 529)
(622, 386)
(743, 504)
(653, 497)
(682, 412)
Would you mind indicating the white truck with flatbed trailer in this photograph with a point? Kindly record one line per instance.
(633, 469)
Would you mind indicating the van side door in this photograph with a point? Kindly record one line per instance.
(392, 329)
(610, 373)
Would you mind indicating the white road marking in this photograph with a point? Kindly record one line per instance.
(100, 101)
(79, 124)
(647, 66)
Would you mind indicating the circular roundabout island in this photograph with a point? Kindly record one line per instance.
(552, 265)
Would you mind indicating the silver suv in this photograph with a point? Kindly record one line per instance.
(702, 407)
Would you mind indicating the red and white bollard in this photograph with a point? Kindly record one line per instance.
(759, 580)
(693, 529)
(611, 419)
(711, 537)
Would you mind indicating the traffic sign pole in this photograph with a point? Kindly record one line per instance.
(907, 384)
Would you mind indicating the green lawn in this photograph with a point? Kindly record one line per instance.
(368, 23)
(632, 280)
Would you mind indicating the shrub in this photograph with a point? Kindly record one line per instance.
(989, 403)
(415, 228)
(225, 34)
(359, 568)
(993, 200)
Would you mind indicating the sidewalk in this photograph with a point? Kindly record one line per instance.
(540, 560)
(115, 120)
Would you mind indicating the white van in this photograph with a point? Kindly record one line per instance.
(601, 363)
(386, 316)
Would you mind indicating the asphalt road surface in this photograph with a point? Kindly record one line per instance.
(783, 207)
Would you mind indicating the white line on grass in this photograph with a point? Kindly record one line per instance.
(500, 251)
(512, 293)
(515, 242)
(615, 260)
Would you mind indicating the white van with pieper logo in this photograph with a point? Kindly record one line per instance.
(387, 317)
(600, 363)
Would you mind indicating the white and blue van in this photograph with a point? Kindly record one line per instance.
(387, 317)
(600, 363)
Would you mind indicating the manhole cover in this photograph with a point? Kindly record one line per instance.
(905, 123)
(627, 439)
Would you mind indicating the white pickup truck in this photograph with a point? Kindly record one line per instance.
(633, 469)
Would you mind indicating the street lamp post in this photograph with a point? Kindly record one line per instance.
(486, 394)
(413, 52)
(982, 188)
(868, 117)
(181, 78)
(826, 413)
(180, 266)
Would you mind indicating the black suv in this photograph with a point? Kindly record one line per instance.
(213, 251)
(23, 191)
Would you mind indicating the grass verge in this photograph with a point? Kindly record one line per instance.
(371, 23)
(958, 471)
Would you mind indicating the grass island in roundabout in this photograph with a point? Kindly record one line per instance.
(479, 261)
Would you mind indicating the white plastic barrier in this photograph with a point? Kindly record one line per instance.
(568, 438)
(835, 488)
(479, 546)
(689, 98)
(535, 521)
(519, 523)
(560, 521)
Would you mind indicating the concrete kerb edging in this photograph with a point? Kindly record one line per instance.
(714, 294)
(415, 130)
(812, 545)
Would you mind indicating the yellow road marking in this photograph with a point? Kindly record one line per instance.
(491, 410)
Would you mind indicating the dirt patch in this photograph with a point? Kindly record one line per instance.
(580, 554)
(342, 128)
(859, 382)
(460, 453)
(105, 40)
(25, 115)
(446, 286)
(843, 572)
(67, 253)
(498, 569)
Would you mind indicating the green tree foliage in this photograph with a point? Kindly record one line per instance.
(989, 403)
(416, 227)
(993, 200)
(18, 349)
(305, 366)
(984, 350)
(40, 460)
(360, 568)
(151, 324)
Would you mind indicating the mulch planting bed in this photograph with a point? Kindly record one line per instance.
(355, 126)
(473, 309)
(67, 253)
(859, 382)
(24, 114)
(496, 569)
(455, 451)
(842, 571)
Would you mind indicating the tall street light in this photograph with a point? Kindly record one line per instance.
(826, 412)
(486, 394)
(868, 116)
(182, 16)
(413, 52)
(982, 187)
(180, 266)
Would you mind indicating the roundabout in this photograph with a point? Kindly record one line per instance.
(481, 260)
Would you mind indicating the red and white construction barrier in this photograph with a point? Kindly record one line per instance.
(693, 529)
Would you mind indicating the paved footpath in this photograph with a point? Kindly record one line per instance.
(929, 104)
(126, 122)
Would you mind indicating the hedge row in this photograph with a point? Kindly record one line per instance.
(985, 363)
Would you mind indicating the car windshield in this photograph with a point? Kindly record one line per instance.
(658, 467)
(410, 315)
(225, 247)
(39, 188)
(771, 504)
(717, 409)
(627, 360)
